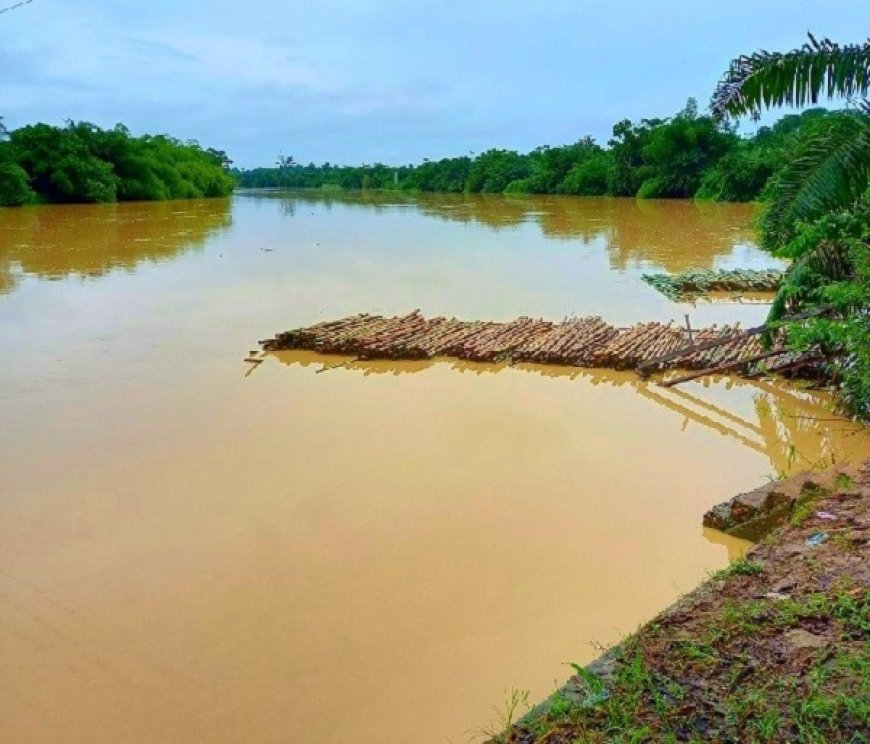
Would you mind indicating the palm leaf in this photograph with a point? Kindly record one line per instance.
(795, 78)
(830, 171)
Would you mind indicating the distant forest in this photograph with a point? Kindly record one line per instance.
(80, 162)
(686, 156)
(689, 155)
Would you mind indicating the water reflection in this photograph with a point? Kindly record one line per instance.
(673, 235)
(91, 240)
(793, 428)
(734, 547)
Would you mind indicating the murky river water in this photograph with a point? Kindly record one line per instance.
(191, 550)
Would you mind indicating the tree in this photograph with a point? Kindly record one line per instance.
(677, 152)
(626, 148)
(830, 170)
(819, 208)
(83, 163)
(796, 78)
(492, 171)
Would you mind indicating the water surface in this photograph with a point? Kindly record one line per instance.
(195, 549)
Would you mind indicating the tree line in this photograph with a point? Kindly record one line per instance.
(80, 162)
(689, 155)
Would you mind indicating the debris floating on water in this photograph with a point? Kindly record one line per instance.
(694, 282)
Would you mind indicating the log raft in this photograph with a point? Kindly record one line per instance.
(577, 342)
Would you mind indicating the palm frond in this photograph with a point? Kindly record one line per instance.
(830, 171)
(795, 78)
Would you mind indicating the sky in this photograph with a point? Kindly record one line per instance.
(385, 80)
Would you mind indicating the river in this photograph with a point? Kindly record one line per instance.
(193, 548)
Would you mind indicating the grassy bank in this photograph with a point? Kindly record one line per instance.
(775, 648)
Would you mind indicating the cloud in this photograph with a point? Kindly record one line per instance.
(384, 79)
(234, 61)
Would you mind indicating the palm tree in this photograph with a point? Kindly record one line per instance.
(795, 78)
(818, 213)
(830, 169)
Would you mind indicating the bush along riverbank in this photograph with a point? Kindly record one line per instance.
(774, 648)
(80, 162)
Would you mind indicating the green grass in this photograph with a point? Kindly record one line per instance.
(743, 567)
(843, 481)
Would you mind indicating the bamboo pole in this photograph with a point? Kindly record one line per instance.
(723, 367)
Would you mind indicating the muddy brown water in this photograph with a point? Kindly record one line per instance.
(195, 549)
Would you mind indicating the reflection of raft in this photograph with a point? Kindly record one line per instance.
(584, 342)
(694, 282)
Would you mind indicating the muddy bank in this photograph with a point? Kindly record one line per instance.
(753, 514)
(774, 648)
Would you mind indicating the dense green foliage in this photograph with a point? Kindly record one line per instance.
(831, 270)
(688, 155)
(83, 163)
(818, 212)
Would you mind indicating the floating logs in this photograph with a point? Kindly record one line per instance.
(633, 345)
(573, 343)
(578, 342)
(498, 340)
(695, 282)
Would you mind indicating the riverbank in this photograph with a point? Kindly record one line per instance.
(774, 648)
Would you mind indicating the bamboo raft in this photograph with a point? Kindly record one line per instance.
(580, 342)
(695, 282)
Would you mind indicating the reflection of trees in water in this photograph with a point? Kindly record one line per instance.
(673, 235)
(794, 429)
(676, 235)
(7, 279)
(90, 240)
(803, 434)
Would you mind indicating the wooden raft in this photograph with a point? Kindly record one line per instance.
(581, 342)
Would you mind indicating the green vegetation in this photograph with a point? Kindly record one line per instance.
(515, 703)
(818, 212)
(83, 163)
(688, 155)
(743, 567)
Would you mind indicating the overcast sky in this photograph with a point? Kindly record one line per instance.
(384, 80)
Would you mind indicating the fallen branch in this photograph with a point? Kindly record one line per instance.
(723, 367)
